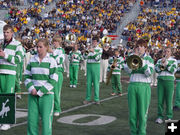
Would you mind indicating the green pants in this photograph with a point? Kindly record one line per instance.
(57, 93)
(93, 76)
(116, 83)
(139, 96)
(165, 89)
(177, 99)
(7, 83)
(43, 107)
(17, 82)
(73, 73)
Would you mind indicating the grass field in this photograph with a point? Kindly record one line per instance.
(117, 107)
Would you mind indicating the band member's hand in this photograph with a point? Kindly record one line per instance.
(91, 50)
(34, 92)
(2, 54)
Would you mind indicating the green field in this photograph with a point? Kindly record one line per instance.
(117, 107)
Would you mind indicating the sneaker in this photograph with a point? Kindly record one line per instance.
(97, 102)
(67, 75)
(18, 96)
(113, 94)
(155, 84)
(56, 114)
(159, 121)
(71, 86)
(5, 127)
(74, 86)
(85, 102)
(120, 94)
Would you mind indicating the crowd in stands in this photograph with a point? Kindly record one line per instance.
(160, 26)
(85, 18)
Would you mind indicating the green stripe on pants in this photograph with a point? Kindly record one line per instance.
(7, 83)
(57, 93)
(42, 106)
(139, 96)
(93, 76)
(177, 99)
(165, 89)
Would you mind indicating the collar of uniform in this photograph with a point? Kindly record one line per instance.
(37, 57)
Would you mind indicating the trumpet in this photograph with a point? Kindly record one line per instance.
(134, 62)
(70, 38)
(162, 66)
(113, 66)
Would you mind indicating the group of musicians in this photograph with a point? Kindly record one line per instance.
(44, 78)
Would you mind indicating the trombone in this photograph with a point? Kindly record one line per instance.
(134, 62)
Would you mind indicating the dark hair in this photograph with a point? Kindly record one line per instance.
(116, 50)
(141, 42)
(95, 38)
(7, 26)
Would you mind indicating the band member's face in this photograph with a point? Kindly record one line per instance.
(141, 50)
(116, 53)
(75, 47)
(41, 48)
(95, 43)
(168, 52)
(8, 34)
(56, 44)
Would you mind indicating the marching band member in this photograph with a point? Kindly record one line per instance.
(118, 63)
(11, 53)
(41, 76)
(165, 67)
(74, 57)
(139, 91)
(177, 98)
(104, 62)
(59, 55)
(93, 71)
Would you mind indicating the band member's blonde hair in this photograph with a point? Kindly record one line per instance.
(45, 43)
(57, 39)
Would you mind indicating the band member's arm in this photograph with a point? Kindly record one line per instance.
(17, 58)
(157, 66)
(148, 66)
(28, 78)
(172, 66)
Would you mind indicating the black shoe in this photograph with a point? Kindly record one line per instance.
(175, 108)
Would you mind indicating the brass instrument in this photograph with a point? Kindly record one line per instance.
(111, 71)
(134, 62)
(71, 38)
(106, 40)
(162, 66)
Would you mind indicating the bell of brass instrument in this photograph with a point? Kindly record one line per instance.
(106, 40)
(111, 71)
(71, 38)
(134, 62)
